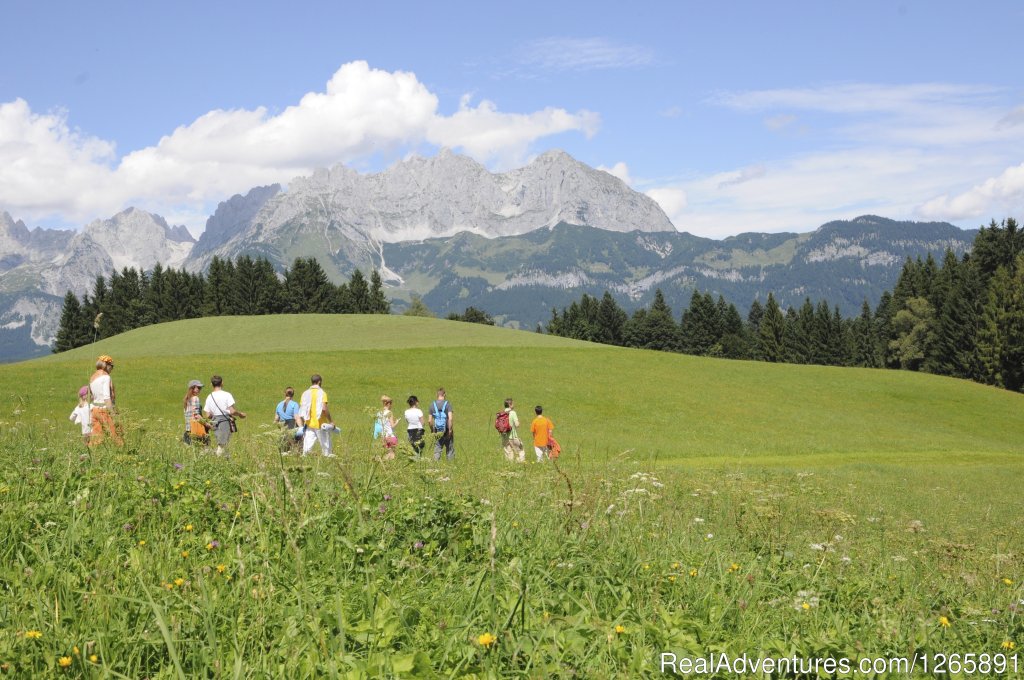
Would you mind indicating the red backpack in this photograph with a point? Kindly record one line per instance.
(501, 423)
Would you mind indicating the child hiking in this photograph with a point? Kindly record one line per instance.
(541, 427)
(414, 422)
(387, 422)
(82, 414)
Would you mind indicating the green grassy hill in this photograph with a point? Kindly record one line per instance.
(603, 400)
(700, 506)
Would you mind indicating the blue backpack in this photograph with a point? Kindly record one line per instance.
(440, 418)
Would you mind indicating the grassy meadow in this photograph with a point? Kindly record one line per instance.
(699, 506)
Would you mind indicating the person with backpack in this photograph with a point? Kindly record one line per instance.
(220, 408)
(541, 429)
(506, 422)
(441, 418)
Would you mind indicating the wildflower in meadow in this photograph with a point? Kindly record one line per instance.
(212, 545)
(944, 622)
(805, 606)
(93, 658)
(734, 568)
(33, 634)
(486, 640)
(179, 582)
(221, 568)
(1009, 645)
(620, 629)
(184, 554)
(64, 661)
(1007, 581)
(693, 572)
(188, 527)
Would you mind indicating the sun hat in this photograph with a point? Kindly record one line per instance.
(194, 383)
(83, 392)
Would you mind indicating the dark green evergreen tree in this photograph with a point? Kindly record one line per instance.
(771, 333)
(72, 331)
(218, 298)
(379, 303)
(611, 320)
(359, 294)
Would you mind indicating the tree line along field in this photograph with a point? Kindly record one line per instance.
(699, 506)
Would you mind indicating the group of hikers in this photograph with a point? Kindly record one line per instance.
(308, 422)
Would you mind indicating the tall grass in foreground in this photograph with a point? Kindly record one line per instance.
(159, 560)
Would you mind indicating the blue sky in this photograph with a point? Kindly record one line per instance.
(735, 116)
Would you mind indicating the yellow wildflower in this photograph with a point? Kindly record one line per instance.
(1009, 645)
(734, 567)
(142, 543)
(184, 553)
(188, 527)
(64, 661)
(620, 629)
(93, 658)
(179, 582)
(33, 634)
(944, 622)
(805, 606)
(693, 572)
(75, 650)
(671, 578)
(1008, 581)
(221, 568)
(486, 640)
(675, 565)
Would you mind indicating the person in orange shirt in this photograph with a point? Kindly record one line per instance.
(541, 429)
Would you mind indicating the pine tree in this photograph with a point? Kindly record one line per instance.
(699, 331)
(379, 304)
(307, 289)
(218, 296)
(611, 320)
(771, 333)
(864, 341)
(70, 331)
(359, 293)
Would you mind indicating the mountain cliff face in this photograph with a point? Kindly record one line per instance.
(38, 267)
(343, 216)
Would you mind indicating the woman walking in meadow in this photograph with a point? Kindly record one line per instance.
(101, 387)
(195, 428)
(387, 425)
(414, 421)
(284, 416)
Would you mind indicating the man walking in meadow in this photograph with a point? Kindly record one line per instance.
(316, 417)
(507, 423)
(541, 428)
(220, 408)
(441, 418)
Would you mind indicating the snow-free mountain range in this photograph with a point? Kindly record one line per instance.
(515, 244)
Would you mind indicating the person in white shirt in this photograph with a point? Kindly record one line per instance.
(101, 387)
(220, 408)
(414, 420)
(316, 417)
(83, 413)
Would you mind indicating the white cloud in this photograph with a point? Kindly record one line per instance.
(1005, 191)
(620, 170)
(671, 199)
(583, 54)
(48, 170)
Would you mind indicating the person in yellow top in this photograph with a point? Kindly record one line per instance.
(316, 417)
(541, 429)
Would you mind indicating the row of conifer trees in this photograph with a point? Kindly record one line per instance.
(245, 286)
(962, 318)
